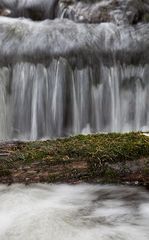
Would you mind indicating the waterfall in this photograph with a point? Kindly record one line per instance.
(62, 77)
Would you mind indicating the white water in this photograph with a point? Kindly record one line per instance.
(82, 212)
(61, 77)
(59, 101)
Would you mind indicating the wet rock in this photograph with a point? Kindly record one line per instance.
(137, 11)
(34, 9)
(117, 11)
(86, 11)
(5, 12)
(31, 172)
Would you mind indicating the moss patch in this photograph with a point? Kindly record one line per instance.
(80, 157)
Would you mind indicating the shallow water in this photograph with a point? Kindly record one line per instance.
(82, 212)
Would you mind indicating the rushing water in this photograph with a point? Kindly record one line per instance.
(61, 77)
(82, 212)
(50, 97)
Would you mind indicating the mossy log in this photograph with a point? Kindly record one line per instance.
(102, 158)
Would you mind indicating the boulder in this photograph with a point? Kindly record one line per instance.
(4, 12)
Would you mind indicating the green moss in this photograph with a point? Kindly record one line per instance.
(146, 171)
(146, 168)
(102, 147)
(94, 152)
(146, 18)
(110, 175)
(4, 172)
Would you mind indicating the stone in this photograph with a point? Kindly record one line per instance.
(5, 12)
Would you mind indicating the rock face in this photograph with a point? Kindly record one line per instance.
(117, 11)
(87, 11)
(34, 9)
(5, 12)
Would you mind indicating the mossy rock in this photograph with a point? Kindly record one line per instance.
(78, 158)
(146, 18)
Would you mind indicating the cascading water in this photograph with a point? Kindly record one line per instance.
(68, 76)
(70, 67)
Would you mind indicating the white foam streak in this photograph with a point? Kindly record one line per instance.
(46, 102)
(73, 212)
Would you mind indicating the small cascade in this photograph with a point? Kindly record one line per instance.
(57, 100)
(62, 77)
(4, 108)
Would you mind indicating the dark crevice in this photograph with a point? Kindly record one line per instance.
(37, 11)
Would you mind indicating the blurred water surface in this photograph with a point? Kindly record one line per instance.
(81, 212)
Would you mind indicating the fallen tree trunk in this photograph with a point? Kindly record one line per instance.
(100, 158)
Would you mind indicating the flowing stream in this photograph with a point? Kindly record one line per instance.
(64, 212)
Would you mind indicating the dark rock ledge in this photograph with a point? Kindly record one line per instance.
(87, 11)
(101, 158)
